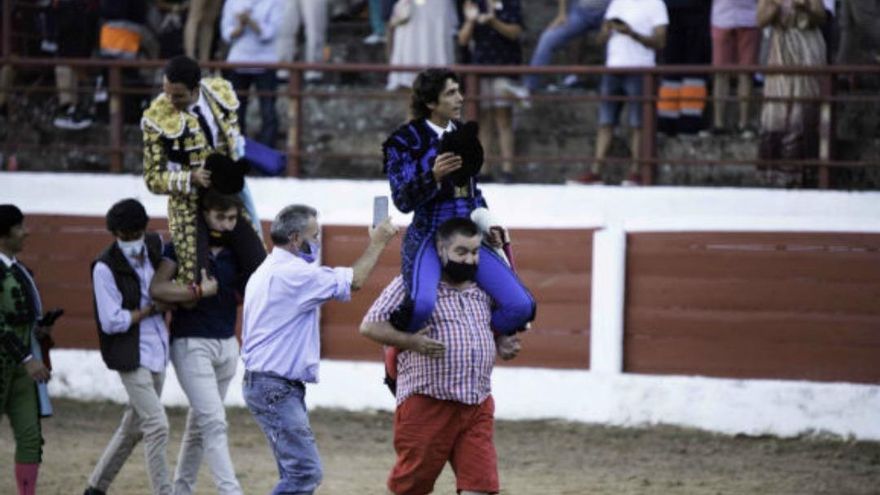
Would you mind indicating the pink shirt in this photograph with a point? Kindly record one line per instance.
(461, 321)
(728, 14)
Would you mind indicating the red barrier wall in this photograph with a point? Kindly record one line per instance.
(754, 305)
(555, 265)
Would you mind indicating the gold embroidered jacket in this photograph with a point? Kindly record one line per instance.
(174, 146)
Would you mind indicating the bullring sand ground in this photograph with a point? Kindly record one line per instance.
(535, 458)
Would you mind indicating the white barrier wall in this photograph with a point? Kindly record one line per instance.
(603, 394)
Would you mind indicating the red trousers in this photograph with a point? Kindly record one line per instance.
(429, 432)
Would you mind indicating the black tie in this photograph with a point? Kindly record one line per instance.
(203, 123)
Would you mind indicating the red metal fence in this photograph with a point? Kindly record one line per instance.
(296, 92)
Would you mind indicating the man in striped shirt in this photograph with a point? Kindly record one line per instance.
(445, 410)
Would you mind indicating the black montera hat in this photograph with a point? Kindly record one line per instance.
(464, 141)
(227, 175)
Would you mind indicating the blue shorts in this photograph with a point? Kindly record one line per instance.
(620, 85)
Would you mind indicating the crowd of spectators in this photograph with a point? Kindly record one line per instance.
(491, 32)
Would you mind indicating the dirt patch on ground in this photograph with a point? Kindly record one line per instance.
(536, 457)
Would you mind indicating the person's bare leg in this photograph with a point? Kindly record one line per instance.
(206, 29)
(504, 124)
(603, 145)
(744, 92)
(191, 30)
(720, 91)
(635, 150)
(66, 83)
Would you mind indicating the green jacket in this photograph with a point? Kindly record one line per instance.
(17, 318)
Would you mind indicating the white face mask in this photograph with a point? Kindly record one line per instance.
(132, 248)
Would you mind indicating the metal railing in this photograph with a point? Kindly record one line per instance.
(296, 92)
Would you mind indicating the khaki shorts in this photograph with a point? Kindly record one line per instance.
(496, 87)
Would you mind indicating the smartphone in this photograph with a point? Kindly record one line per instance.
(380, 209)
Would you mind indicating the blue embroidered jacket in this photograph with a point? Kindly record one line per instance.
(409, 157)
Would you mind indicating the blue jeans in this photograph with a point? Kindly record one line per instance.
(265, 81)
(377, 16)
(621, 85)
(278, 406)
(579, 21)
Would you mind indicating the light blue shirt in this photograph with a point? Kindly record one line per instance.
(251, 47)
(114, 319)
(280, 332)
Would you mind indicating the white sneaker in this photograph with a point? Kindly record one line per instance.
(312, 76)
(374, 39)
(72, 119)
(570, 81)
(522, 93)
(49, 46)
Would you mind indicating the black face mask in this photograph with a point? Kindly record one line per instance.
(460, 272)
(219, 238)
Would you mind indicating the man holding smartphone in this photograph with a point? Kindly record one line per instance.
(281, 344)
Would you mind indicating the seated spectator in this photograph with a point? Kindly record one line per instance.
(859, 32)
(312, 15)
(634, 30)
(198, 33)
(422, 34)
(77, 33)
(736, 40)
(682, 98)
(493, 34)
(250, 27)
(789, 129)
(575, 18)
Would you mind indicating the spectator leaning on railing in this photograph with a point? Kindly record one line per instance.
(634, 30)
(493, 35)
